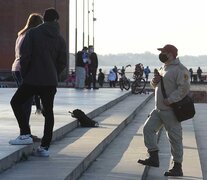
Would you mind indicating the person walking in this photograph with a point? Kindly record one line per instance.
(34, 20)
(199, 73)
(115, 69)
(43, 56)
(176, 79)
(112, 78)
(93, 65)
(191, 74)
(147, 72)
(101, 78)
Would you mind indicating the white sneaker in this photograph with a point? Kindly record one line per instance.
(42, 152)
(22, 140)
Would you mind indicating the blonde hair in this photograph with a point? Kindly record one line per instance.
(34, 20)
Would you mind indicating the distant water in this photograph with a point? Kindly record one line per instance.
(130, 70)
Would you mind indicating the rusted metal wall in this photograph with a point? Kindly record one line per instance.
(13, 16)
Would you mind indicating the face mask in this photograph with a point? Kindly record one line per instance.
(163, 57)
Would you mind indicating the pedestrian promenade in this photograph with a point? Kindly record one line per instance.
(114, 121)
(92, 102)
(119, 160)
(112, 149)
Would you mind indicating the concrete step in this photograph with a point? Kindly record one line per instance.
(66, 99)
(72, 155)
(119, 159)
(200, 126)
(191, 160)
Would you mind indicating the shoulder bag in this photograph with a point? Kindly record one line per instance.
(183, 109)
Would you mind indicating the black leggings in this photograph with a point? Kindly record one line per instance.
(47, 94)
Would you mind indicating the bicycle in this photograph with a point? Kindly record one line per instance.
(124, 82)
(139, 83)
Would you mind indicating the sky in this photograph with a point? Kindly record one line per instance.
(139, 26)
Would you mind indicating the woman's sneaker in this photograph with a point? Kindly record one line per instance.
(22, 140)
(42, 151)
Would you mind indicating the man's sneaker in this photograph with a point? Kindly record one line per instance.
(22, 140)
(42, 152)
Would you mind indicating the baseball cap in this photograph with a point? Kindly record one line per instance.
(169, 49)
(50, 15)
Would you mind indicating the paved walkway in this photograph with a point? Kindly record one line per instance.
(77, 149)
(126, 152)
(65, 100)
(119, 160)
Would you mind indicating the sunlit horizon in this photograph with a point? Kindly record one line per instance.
(135, 26)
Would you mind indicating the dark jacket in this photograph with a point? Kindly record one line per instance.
(94, 61)
(79, 59)
(43, 55)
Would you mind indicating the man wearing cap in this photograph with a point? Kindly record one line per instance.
(93, 65)
(43, 57)
(177, 84)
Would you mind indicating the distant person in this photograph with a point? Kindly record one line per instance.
(80, 68)
(115, 69)
(147, 72)
(92, 65)
(191, 74)
(112, 78)
(199, 73)
(43, 56)
(33, 21)
(177, 85)
(139, 69)
(70, 81)
(101, 78)
(122, 70)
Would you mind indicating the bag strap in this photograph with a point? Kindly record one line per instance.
(163, 89)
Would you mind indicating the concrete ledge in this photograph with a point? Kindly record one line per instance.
(19, 155)
(22, 152)
(191, 162)
(77, 171)
(71, 156)
(61, 132)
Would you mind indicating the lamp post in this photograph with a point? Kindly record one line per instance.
(67, 35)
(88, 24)
(94, 19)
(76, 22)
(83, 22)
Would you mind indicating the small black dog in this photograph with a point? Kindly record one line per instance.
(84, 120)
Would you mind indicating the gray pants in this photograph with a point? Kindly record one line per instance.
(80, 77)
(153, 124)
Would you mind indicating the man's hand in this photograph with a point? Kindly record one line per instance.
(156, 79)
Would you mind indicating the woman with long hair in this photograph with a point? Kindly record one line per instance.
(33, 21)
